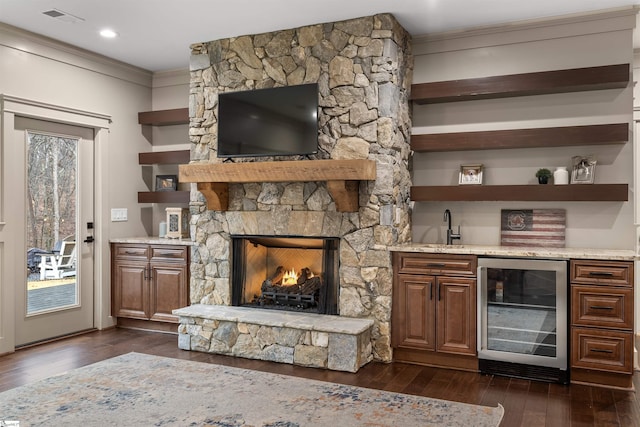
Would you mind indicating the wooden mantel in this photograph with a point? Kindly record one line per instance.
(342, 177)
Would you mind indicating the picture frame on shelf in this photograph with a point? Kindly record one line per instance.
(470, 174)
(584, 170)
(166, 182)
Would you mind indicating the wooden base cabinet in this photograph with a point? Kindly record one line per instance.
(149, 281)
(602, 306)
(434, 309)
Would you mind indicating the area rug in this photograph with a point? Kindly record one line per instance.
(142, 390)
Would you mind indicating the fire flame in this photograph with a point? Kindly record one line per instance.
(290, 278)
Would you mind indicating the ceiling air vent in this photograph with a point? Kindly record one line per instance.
(53, 13)
(63, 16)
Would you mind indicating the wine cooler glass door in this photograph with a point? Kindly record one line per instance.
(522, 313)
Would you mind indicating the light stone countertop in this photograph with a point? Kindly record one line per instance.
(153, 240)
(437, 248)
(514, 251)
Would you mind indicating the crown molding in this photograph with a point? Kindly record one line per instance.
(622, 18)
(35, 44)
(171, 78)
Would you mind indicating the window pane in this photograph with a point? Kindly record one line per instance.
(51, 222)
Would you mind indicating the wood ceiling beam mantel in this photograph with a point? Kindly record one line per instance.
(342, 177)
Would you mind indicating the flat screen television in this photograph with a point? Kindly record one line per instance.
(279, 121)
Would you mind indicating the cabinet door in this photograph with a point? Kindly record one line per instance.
(602, 306)
(436, 264)
(168, 290)
(131, 289)
(602, 350)
(608, 273)
(413, 319)
(456, 315)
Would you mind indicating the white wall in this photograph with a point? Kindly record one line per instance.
(599, 39)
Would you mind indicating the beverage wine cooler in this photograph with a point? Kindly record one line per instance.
(522, 318)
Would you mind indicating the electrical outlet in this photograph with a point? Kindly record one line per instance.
(119, 214)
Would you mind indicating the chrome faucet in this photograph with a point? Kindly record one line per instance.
(451, 236)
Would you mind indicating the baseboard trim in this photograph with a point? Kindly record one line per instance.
(147, 325)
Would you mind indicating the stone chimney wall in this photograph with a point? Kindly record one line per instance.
(363, 68)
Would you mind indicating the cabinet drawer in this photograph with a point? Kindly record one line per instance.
(169, 253)
(602, 350)
(131, 251)
(618, 273)
(435, 264)
(604, 307)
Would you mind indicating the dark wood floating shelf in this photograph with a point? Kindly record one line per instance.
(163, 197)
(617, 133)
(523, 193)
(164, 157)
(176, 116)
(537, 83)
(342, 177)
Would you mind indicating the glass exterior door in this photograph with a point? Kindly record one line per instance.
(54, 295)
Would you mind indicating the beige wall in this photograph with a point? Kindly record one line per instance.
(170, 90)
(105, 87)
(43, 71)
(568, 43)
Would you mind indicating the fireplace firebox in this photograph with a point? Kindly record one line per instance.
(285, 273)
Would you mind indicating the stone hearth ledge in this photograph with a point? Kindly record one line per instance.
(306, 339)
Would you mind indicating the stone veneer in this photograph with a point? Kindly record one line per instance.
(363, 68)
(305, 339)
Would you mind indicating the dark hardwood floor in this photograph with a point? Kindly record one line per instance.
(526, 403)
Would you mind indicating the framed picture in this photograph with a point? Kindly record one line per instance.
(470, 174)
(166, 182)
(584, 170)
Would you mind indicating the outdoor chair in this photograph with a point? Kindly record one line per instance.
(34, 258)
(63, 264)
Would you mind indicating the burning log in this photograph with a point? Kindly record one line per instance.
(274, 283)
(305, 274)
(306, 283)
(310, 286)
(275, 278)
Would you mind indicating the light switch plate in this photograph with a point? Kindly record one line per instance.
(118, 214)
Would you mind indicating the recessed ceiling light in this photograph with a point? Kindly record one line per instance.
(108, 33)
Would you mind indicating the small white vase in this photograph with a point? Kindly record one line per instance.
(561, 176)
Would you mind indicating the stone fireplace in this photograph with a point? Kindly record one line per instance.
(363, 68)
(285, 273)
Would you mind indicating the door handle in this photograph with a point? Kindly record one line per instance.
(89, 239)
